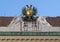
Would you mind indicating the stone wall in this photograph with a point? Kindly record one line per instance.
(29, 38)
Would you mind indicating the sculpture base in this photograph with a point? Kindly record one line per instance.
(29, 19)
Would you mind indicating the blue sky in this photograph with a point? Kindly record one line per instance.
(45, 7)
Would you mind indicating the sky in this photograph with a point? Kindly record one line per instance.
(44, 7)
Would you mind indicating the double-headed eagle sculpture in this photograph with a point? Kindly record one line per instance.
(29, 11)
